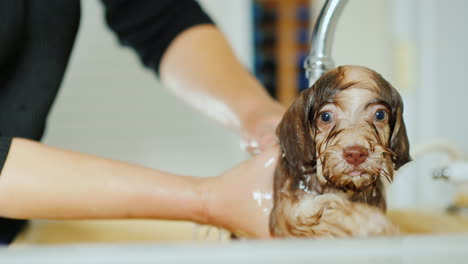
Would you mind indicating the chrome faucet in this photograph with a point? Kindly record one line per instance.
(319, 60)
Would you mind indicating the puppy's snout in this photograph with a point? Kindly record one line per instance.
(355, 155)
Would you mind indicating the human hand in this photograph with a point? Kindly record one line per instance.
(240, 200)
(259, 130)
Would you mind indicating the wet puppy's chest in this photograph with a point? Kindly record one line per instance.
(373, 195)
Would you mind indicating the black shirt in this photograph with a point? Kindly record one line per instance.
(36, 39)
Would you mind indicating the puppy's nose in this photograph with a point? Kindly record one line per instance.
(355, 155)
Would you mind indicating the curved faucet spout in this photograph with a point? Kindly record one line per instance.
(319, 60)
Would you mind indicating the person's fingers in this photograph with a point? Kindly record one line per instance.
(268, 141)
(242, 197)
(250, 146)
(261, 137)
(259, 130)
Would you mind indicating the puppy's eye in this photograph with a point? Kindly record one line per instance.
(326, 117)
(380, 115)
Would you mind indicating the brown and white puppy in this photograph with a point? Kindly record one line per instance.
(339, 140)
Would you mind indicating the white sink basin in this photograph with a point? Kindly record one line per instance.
(406, 249)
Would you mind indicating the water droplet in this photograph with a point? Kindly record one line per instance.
(269, 162)
(303, 186)
(259, 197)
(253, 144)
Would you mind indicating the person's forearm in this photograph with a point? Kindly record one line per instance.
(44, 182)
(201, 68)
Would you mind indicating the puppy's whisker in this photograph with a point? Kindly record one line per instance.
(322, 157)
(389, 180)
(376, 132)
(333, 134)
(387, 150)
(380, 159)
(386, 175)
(327, 151)
(330, 134)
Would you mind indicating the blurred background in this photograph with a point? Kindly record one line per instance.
(110, 106)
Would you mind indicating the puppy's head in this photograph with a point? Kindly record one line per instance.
(347, 129)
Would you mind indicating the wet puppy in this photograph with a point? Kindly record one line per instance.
(339, 140)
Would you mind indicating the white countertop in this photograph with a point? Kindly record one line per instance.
(405, 249)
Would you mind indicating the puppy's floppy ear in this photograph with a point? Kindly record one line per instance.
(399, 143)
(295, 133)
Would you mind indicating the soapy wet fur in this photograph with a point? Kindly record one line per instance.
(340, 139)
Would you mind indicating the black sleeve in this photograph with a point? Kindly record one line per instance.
(149, 26)
(5, 143)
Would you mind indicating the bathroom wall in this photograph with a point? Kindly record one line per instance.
(450, 58)
(440, 95)
(364, 35)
